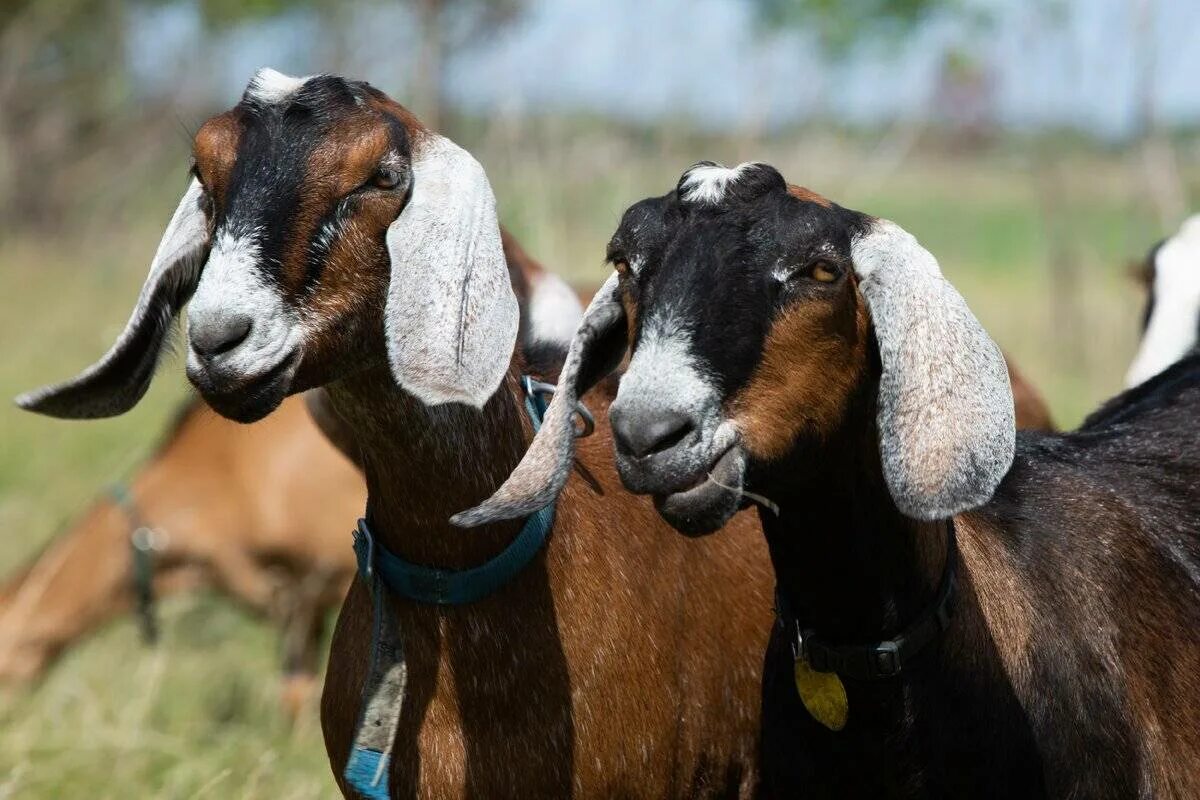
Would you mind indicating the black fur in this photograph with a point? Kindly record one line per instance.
(265, 186)
(1086, 561)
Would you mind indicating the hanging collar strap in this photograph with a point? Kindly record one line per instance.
(383, 571)
(878, 660)
(143, 542)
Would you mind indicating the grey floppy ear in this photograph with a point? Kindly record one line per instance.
(116, 382)
(596, 350)
(451, 316)
(946, 420)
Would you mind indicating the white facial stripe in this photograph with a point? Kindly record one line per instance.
(271, 86)
(1171, 330)
(664, 369)
(232, 284)
(707, 183)
(554, 310)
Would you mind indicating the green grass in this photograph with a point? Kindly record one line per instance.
(198, 717)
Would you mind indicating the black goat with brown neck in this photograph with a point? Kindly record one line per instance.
(786, 347)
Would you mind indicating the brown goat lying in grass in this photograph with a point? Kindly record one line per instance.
(961, 614)
(330, 240)
(233, 509)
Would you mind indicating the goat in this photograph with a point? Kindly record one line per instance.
(275, 551)
(1171, 318)
(278, 550)
(329, 239)
(789, 350)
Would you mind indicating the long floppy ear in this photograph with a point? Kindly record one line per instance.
(946, 419)
(116, 382)
(451, 317)
(596, 350)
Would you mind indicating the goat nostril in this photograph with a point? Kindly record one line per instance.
(214, 337)
(644, 434)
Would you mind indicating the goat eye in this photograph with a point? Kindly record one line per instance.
(823, 272)
(386, 178)
(621, 265)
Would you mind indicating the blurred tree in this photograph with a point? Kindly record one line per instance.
(1163, 181)
(475, 18)
(441, 25)
(62, 76)
(839, 24)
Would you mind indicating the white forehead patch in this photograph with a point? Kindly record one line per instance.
(272, 86)
(707, 183)
(1172, 327)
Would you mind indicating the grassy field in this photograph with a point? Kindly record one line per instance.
(198, 717)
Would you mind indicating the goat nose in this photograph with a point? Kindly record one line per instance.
(212, 336)
(643, 433)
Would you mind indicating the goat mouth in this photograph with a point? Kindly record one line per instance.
(706, 505)
(252, 397)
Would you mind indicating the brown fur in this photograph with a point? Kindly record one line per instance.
(1032, 412)
(214, 150)
(803, 193)
(813, 357)
(647, 658)
(283, 553)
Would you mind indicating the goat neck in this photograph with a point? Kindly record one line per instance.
(422, 463)
(855, 569)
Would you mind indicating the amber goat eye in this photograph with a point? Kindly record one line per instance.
(823, 271)
(386, 178)
(621, 266)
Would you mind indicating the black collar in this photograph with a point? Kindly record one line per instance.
(883, 659)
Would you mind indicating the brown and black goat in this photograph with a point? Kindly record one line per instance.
(954, 620)
(257, 512)
(328, 239)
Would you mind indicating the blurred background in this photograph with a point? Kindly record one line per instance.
(1037, 148)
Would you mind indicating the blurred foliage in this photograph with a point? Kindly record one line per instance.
(840, 24)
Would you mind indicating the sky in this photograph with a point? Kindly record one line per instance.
(707, 61)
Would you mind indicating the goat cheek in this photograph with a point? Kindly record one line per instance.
(802, 386)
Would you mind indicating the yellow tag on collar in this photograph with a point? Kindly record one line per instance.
(823, 695)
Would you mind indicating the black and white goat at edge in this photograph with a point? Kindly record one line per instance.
(962, 612)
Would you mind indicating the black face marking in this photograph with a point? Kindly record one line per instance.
(268, 181)
(726, 267)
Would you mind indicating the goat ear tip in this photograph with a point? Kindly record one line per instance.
(29, 401)
(471, 518)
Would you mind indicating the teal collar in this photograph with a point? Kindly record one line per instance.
(447, 587)
(367, 770)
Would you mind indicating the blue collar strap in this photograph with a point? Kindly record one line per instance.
(448, 587)
(383, 692)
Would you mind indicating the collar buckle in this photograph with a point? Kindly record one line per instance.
(885, 660)
(881, 659)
